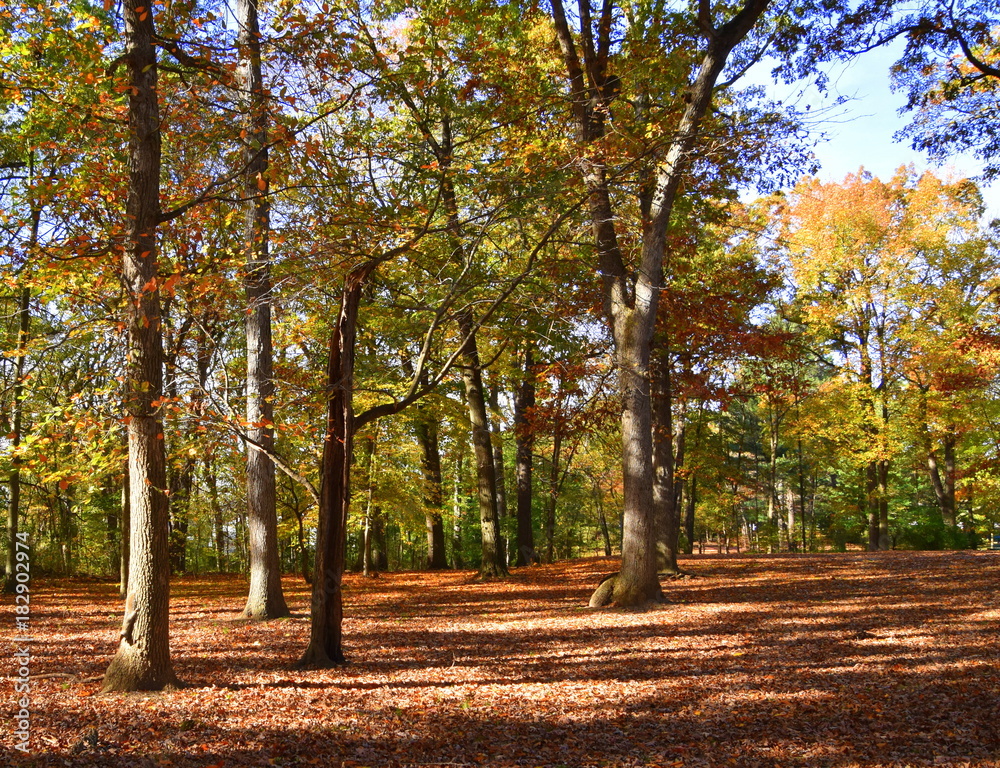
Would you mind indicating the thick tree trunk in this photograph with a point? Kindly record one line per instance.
(637, 583)
(492, 565)
(142, 661)
(524, 440)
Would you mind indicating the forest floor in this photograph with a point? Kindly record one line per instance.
(889, 659)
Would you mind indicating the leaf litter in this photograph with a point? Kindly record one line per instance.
(843, 660)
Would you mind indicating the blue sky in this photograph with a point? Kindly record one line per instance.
(861, 131)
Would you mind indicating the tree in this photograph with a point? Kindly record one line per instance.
(492, 563)
(427, 428)
(871, 262)
(142, 661)
(265, 599)
(631, 295)
(524, 439)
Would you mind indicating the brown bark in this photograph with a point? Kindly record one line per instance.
(944, 486)
(666, 488)
(427, 435)
(492, 564)
(14, 500)
(524, 440)
(327, 610)
(142, 661)
(500, 470)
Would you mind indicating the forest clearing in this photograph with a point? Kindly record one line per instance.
(372, 372)
(847, 660)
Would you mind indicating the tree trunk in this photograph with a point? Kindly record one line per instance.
(666, 489)
(265, 599)
(602, 519)
(14, 501)
(871, 504)
(17, 421)
(553, 497)
(690, 500)
(637, 583)
(884, 540)
(501, 477)
(327, 610)
(944, 487)
(457, 511)
(524, 441)
(142, 661)
(427, 434)
(631, 291)
(181, 483)
(790, 518)
(492, 565)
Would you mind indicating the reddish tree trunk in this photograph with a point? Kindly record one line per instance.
(327, 611)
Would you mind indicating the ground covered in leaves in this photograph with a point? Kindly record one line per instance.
(888, 659)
